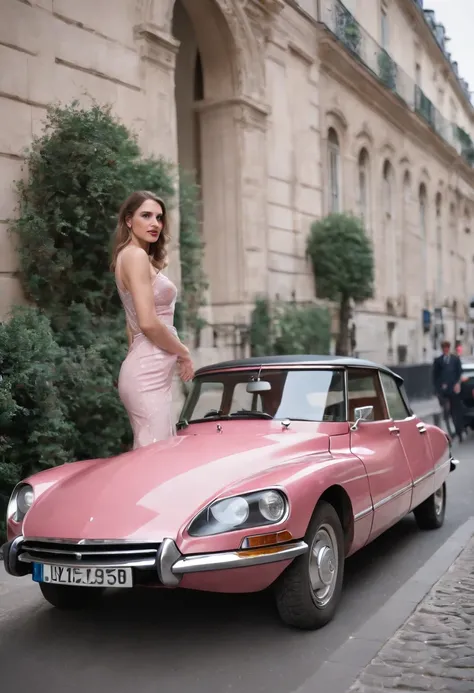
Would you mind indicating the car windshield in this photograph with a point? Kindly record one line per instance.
(305, 395)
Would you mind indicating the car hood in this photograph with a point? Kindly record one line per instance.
(151, 492)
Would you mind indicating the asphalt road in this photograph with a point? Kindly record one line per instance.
(178, 642)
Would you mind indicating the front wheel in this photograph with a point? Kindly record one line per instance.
(70, 598)
(430, 514)
(308, 592)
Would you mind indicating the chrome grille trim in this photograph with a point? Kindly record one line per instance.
(92, 542)
(100, 554)
(97, 563)
(81, 550)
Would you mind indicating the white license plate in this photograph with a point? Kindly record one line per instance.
(83, 577)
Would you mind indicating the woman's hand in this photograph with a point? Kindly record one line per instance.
(186, 368)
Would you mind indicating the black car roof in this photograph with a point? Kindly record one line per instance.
(295, 360)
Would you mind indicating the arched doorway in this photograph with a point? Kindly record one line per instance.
(189, 90)
(206, 88)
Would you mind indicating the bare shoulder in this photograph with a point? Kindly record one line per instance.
(134, 259)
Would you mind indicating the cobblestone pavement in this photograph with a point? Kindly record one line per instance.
(434, 649)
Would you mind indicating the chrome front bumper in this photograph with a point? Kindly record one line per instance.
(169, 563)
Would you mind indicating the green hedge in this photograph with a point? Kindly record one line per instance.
(289, 328)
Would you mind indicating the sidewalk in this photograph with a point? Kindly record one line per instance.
(434, 649)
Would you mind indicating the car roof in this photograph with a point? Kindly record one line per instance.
(293, 361)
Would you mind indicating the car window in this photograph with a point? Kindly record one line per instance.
(364, 390)
(305, 395)
(241, 399)
(208, 398)
(467, 371)
(395, 404)
(313, 396)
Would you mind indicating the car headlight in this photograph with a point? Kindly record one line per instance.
(239, 512)
(20, 502)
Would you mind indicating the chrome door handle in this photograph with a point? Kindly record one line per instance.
(394, 429)
(421, 427)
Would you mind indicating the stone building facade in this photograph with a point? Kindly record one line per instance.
(285, 111)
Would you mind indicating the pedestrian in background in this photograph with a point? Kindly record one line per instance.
(447, 372)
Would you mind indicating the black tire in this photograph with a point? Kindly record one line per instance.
(431, 513)
(71, 598)
(297, 602)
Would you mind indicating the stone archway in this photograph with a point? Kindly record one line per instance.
(235, 30)
(218, 41)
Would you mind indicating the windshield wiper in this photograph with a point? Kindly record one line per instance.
(248, 414)
(211, 417)
(244, 414)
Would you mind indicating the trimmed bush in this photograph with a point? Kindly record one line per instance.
(342, 258)
(289, 328)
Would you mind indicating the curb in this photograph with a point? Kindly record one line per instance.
(340, 671)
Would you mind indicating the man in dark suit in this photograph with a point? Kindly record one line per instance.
(447, 372)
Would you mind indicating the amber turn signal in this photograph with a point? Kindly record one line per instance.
(261, 540)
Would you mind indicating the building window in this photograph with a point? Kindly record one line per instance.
(453, 235)
(422, 202)
(390, 238)
(384, 28)
(334, 171)
(404, 226)
(439, 250)
(418, 75)
(387, 189)
(364, 188)
(422, 197)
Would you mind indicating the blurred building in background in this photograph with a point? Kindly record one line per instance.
(286, 111)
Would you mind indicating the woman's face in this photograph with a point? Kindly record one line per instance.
(147, 223)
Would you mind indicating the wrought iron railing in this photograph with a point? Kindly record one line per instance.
(424, 107)
(341, 22)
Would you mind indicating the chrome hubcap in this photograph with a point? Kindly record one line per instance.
(323, 564)
(438, 500)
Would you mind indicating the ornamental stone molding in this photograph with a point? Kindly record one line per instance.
(249, 23)
(156, 46)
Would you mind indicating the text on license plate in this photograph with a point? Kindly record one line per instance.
(84, 577)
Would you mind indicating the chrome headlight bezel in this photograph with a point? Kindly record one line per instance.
(21, 501)
(206, 523)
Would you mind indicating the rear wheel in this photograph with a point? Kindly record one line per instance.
(431, 513)
(308, 592)
(70, 598)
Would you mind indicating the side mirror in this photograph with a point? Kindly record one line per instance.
(256, 386)
(362, 414)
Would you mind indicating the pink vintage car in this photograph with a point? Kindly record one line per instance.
(282, 467)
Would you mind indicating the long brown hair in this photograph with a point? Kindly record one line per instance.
(157, 251)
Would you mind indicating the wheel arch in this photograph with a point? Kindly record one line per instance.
(338, 497)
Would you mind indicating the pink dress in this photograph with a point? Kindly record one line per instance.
(146, 374)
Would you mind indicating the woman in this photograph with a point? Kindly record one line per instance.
(148, 297)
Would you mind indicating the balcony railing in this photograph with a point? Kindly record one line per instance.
(425, 108)
(339, 20)
(466, 144)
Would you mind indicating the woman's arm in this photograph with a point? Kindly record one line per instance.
(136, 269)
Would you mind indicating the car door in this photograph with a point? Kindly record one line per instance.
(379, 448)
(413, 437)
